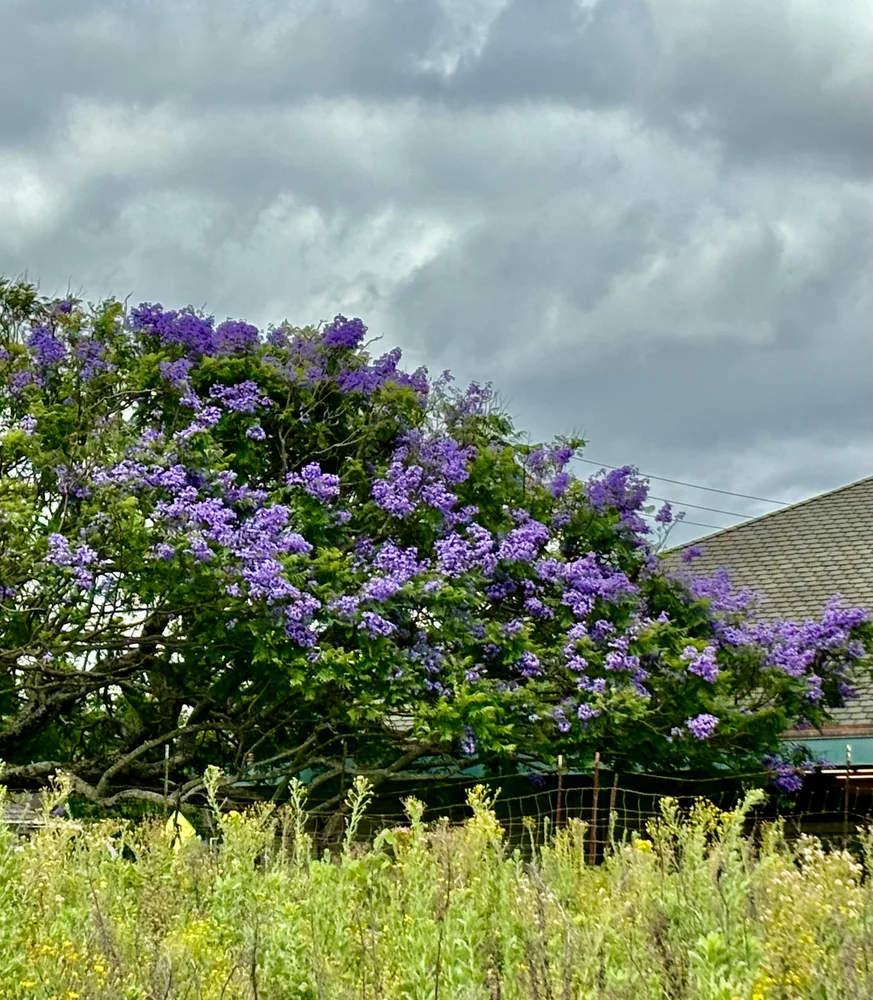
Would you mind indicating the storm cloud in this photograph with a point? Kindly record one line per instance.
(646, 222)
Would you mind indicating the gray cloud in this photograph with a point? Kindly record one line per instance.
(644, 220)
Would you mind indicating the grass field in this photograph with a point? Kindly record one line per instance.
(693, 910)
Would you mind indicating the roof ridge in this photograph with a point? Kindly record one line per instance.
(769, 514)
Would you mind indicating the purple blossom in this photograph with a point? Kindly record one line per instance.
(528, 665)
(535, 607)
(395, 493)
(256, 433)
(324, 486)
(245, 397)
(618, 660)
(623, 490)
(21, 380)
(691, 553)
(585, 712)
(176, 372)
(234, 337)
(60, 554)
(377, 625)
(28, 424)
(78, 560)
(601, 629)
(562, 721)
(446, 459)
(475, 400)
(468, 742)
(537, 460)
(785, 774)
(665, 514)
(462, 516)
(593, 685)
(91, 354)
(436, 495)
(49, 351)
(457, 554)
(347, 334)
(701, 726)
(559, 484)
(522, 543)
(562, 455)
(183, 328)
(206, 419)
(345, 606)
(701, 663)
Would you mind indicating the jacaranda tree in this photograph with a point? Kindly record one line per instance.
(277, 552)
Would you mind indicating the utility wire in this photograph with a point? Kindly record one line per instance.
(694, 486)
(697, 506)
(697, 524)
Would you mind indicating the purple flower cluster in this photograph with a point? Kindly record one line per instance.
(523, 543)
(235, 337)
(624, 491)
(394, 567)
(324, 486)
(396, 492)
(665, 514)
(586, 712)
(347, 334)
(47, 349)
(177, 372)
(376, 625)
(366, 379)
(458, 554)
(194, 333)
(244, 397)
(91, 355)
(80, 560)
(701, 663)
(785, 774)
(529, 665)
(702, 726)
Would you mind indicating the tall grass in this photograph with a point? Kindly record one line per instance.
(693, 910)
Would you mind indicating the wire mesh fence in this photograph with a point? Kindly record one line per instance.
(612, 805)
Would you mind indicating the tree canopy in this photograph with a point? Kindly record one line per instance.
(277, 552)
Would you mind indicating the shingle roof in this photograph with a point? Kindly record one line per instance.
(797, 558)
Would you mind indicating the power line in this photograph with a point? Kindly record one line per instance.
(694, 486)
(697, 524)
(697, 506)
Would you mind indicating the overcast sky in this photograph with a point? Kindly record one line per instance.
(646, 222)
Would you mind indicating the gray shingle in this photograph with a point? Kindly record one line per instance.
(796, 559)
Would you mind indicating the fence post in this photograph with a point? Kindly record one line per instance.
(166, 776)
(612, 796)
(592, 843)
(559, 811)
(846, 802)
